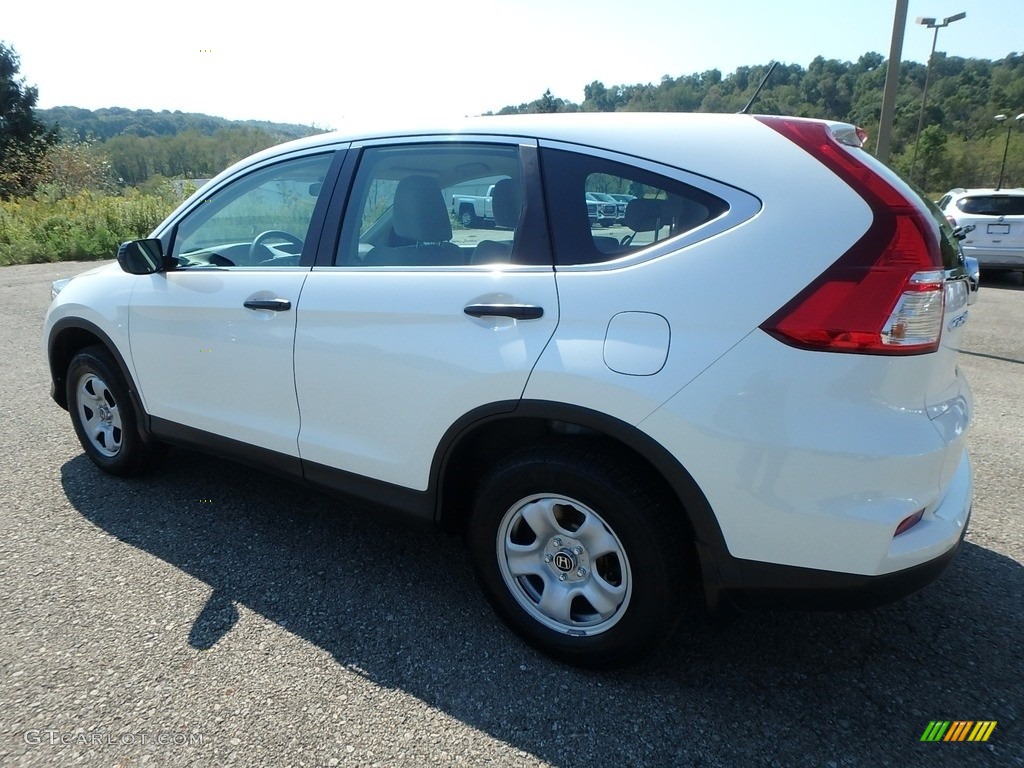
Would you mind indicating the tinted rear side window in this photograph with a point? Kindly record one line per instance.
(993, 205)
(646, 209)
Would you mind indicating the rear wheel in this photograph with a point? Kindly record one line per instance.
(466, 216)
(578, 556)
(104, 416)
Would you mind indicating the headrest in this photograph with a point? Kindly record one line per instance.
(679, 213)
(507, 203)
(419, 213)
(645, 215)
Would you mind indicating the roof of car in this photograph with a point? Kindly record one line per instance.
(563, 125)
(601, 129)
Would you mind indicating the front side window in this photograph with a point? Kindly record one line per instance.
(602, 210)
(261, 219)
(437, 205)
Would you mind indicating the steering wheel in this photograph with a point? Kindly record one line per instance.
(269, 234)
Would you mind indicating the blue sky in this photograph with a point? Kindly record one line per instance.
(301, 63)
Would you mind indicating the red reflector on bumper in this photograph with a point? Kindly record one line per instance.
(909, 523)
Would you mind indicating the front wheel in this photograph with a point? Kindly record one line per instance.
(578, 556)
(103, 415)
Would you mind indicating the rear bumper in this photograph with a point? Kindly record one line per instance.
(997, 258)
(767, 585)
(931, 544)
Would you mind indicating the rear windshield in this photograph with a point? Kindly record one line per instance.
(992, 205)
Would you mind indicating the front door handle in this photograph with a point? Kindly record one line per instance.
(275, 305)
(515, 311)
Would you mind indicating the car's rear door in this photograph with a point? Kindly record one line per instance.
(406, 327)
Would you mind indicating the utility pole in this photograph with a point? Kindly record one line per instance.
(892, 79)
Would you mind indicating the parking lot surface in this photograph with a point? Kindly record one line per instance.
(206, 614)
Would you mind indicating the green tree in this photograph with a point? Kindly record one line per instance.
(71, 166)
(24, 139)
(932, 158)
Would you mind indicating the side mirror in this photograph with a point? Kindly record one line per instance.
(141, 257)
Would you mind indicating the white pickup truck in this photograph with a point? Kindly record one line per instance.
(470, 206)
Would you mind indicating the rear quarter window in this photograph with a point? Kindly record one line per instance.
(600, 210)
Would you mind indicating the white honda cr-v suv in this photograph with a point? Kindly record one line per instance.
(750, 383)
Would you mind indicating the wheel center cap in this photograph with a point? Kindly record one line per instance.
(564, 561)
(104, 413)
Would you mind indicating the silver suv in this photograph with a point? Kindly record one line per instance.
(992, 224)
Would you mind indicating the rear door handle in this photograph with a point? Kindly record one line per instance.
(275, 305)
(515, 311)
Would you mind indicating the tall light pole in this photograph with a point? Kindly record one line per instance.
(1004, 119)
(930, 23)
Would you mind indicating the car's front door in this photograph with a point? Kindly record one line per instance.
(212, 339)
(414, 325)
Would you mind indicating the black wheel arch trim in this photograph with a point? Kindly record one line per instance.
(58, 388)
(705, 526)
(58, 383)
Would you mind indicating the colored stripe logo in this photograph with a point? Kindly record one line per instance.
(958, 730)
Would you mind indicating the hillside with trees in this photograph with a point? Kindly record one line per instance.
(140, 145)
(961, 144)
(103, 124)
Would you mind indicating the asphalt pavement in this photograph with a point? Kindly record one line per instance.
(207, 614)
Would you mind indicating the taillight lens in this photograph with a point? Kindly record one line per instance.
(885, 294)
(917, 318)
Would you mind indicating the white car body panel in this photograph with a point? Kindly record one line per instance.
(386, 360)
(190, 325)
(100, 296)
(795, 480)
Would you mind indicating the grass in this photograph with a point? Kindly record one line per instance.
(83, 227)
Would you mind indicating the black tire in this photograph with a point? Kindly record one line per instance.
(467, 217)
(612, 552)
(104, 416)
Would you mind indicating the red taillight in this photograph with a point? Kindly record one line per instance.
(885, 294)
